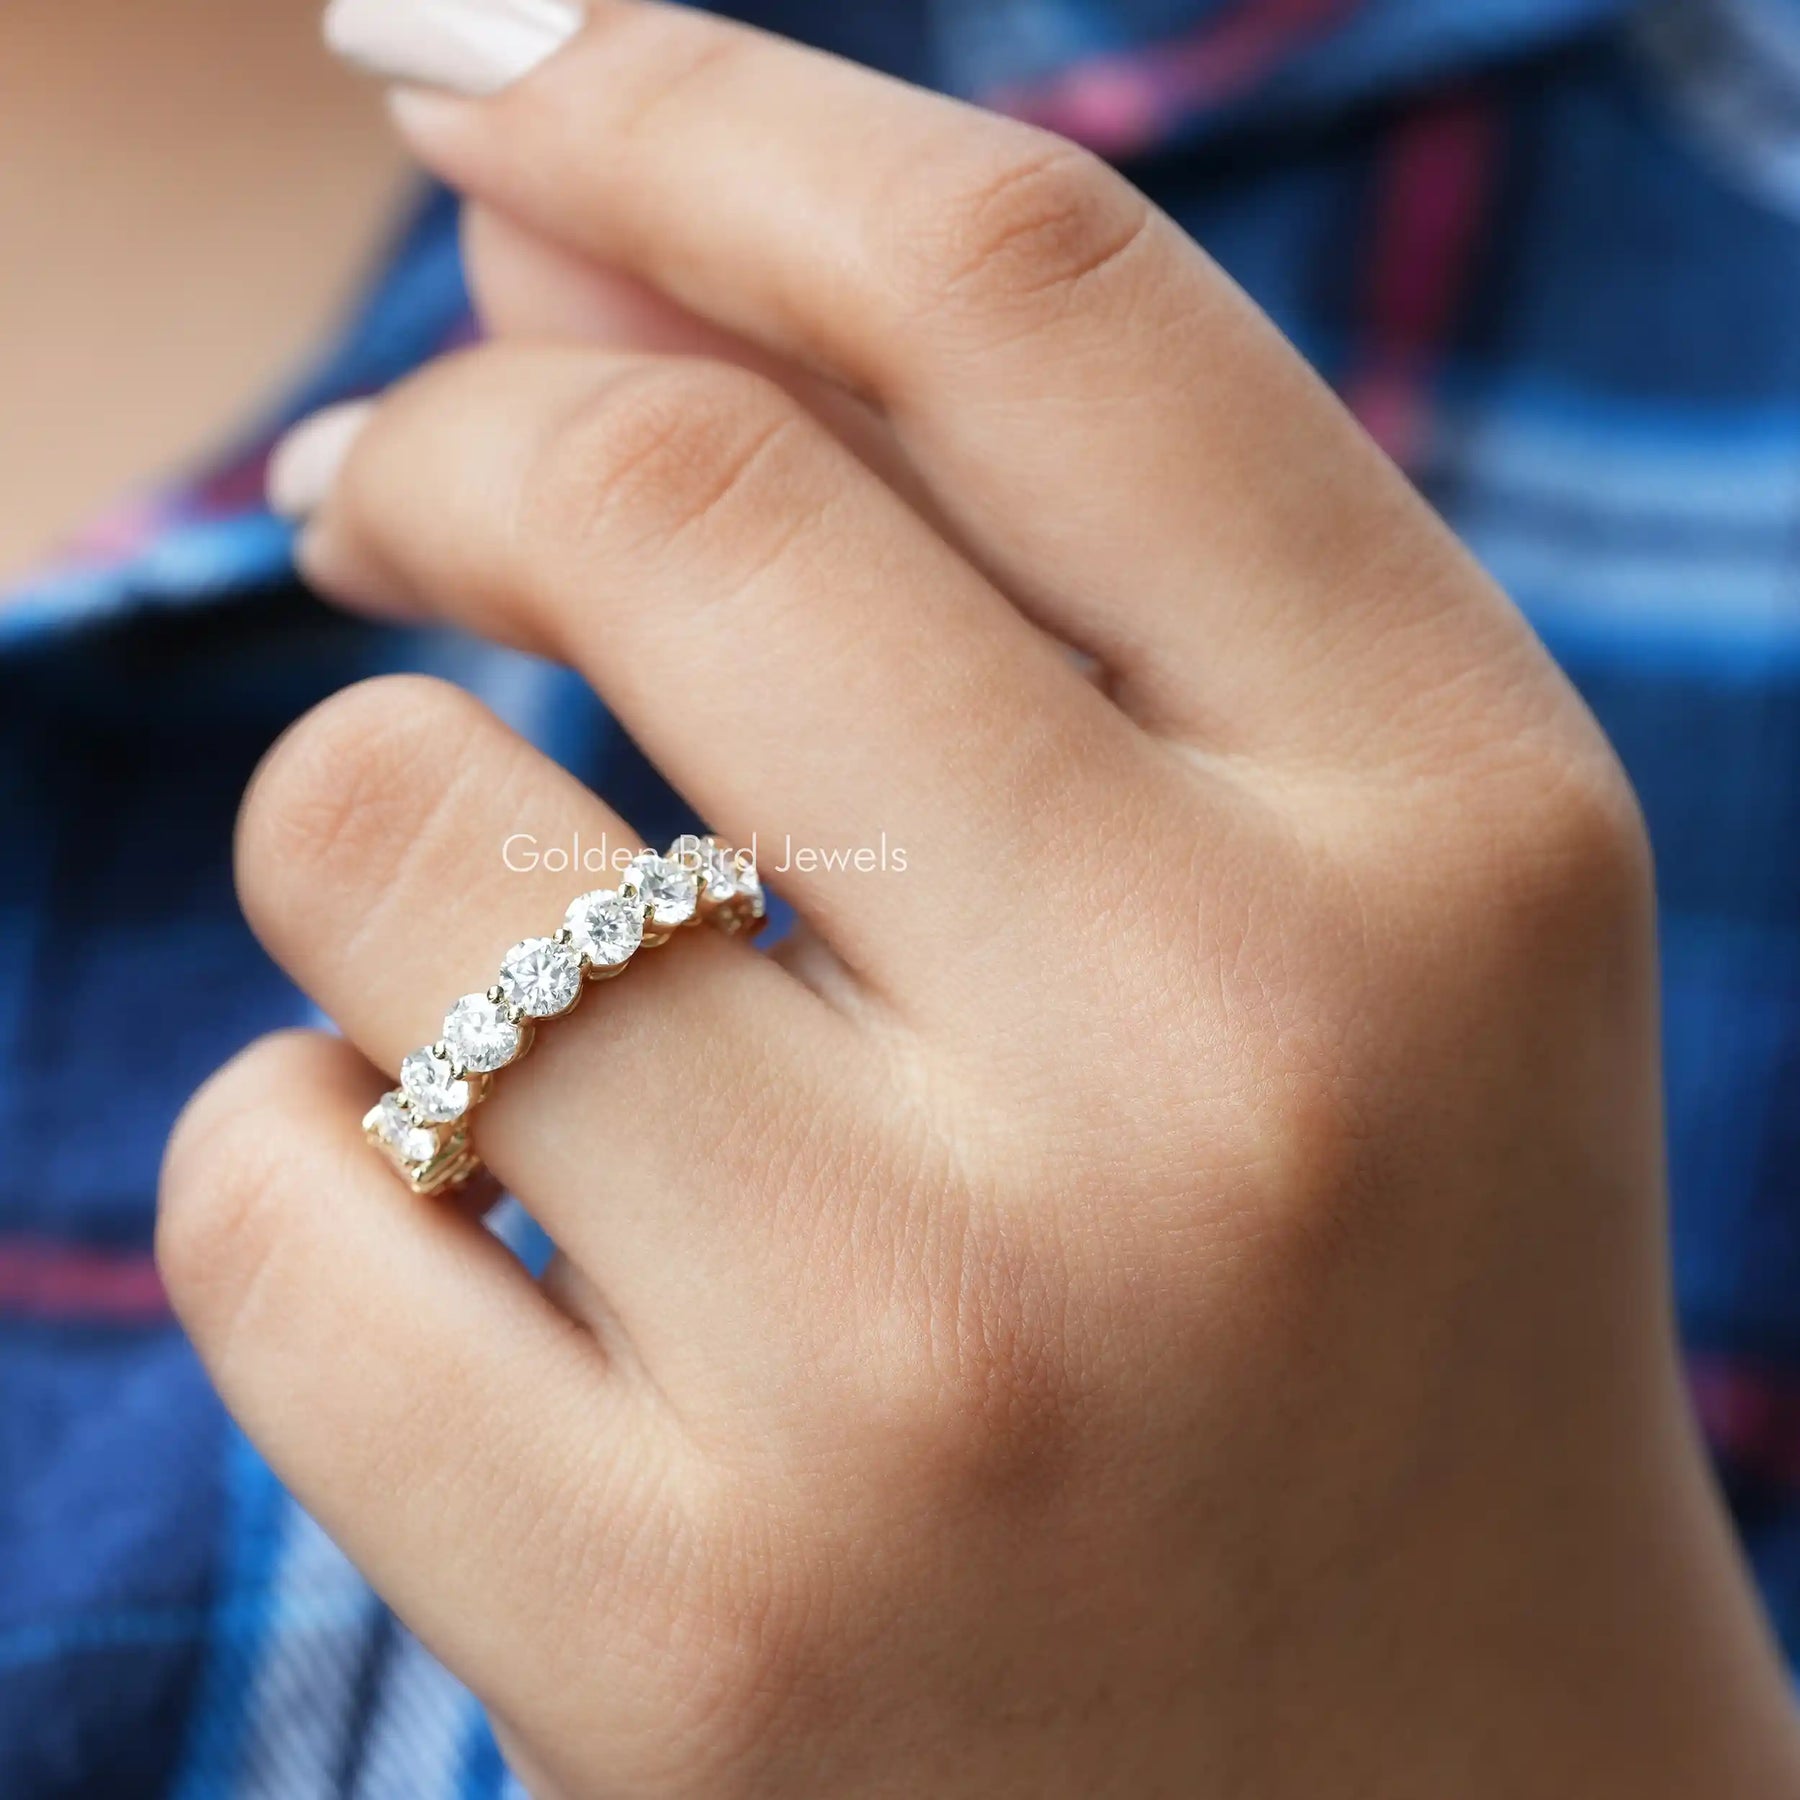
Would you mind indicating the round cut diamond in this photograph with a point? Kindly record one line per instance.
(731, 875)
(606, 927)
(541, 977)
(479, 1035)
(398, 1127)
(669, 888)
(432, 1086)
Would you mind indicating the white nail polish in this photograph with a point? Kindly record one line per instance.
(466, 46)
(304, 465)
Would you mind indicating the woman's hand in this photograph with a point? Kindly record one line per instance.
(1163, 1296)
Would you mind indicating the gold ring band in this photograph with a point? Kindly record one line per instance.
(422, 1128)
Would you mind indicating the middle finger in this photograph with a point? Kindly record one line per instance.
(1121, 437)
(806, 660)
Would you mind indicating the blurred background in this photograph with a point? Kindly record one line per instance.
(1547, 250)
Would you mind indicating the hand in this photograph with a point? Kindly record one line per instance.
(1165, 1296)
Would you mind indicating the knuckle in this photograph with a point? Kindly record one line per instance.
(321, 811)
(1597, 842)
(218, 1214)
(1317, 1191)
(667, 451)
(1017, 229)
(1570, 858)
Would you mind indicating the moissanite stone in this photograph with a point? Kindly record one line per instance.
(541, 977)
(411, 1140)
(431, 1084)
(731, 875)
(479, 1035)
(670, 891)
(606, 927)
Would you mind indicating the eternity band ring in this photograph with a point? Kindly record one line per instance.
(422, 1128)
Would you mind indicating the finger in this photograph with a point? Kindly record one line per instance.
(1142, 461)
(459, 1437)
(529, 286)
(794, 648)
(620, 1131)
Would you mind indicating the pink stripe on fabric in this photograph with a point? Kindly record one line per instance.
(1119, 105)
(70, 1285)
(118, 534)
(1751, 1416)
(234, 488)
(1427, 230)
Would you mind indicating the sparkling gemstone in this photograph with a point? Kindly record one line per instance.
(541, 977)
(731, 875)
(413, 1141)
(432, 1086)
(606, 927)
(670, 890)
(479, 1035)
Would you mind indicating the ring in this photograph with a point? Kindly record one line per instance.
(422, 1127)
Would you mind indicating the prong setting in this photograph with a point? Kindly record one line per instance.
(422, 1128)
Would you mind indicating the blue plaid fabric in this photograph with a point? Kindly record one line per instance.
(1548, 249)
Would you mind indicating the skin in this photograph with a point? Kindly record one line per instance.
(1167, 1296)
(140, 144)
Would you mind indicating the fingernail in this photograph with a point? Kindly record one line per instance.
(467, 46)
(304, 466)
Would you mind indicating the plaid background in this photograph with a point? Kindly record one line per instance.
(1548, 249)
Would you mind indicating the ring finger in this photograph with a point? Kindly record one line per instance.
(370, 864)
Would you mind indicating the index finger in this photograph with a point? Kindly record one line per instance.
(1106, 420)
